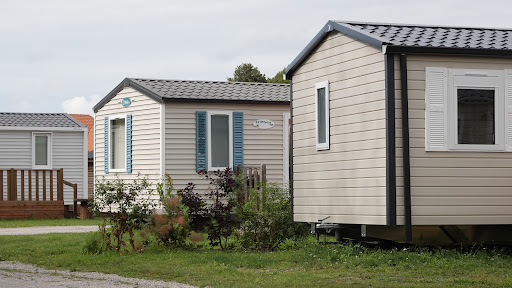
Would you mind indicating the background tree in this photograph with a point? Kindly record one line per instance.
(278, 78)
(246, 72)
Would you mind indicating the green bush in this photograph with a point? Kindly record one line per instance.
(266, 219)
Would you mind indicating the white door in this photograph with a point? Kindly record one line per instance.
(286, 148)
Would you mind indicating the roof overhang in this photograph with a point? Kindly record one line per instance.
(449, 51)
(189, 100)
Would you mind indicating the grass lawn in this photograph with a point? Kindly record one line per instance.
(303, 264)
(48, 222)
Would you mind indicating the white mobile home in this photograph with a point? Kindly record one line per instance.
(153, 127)
(43, 141)
(404, 132)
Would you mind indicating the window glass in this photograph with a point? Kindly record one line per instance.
(220, 140)
(475, 116)
(41, 145)
(321, 129)
(118, 143)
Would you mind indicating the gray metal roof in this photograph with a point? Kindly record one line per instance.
(204, 91)
(436, 36)
(50, 120)
(416, 39)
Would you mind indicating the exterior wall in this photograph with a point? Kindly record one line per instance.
(67, 153)
(145, 136)
(450, 188)
(90, 179)
(347, 182)
(260, 146)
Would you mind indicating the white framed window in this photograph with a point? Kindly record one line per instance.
(220, 139)
(117, 143)
(322, 115)
(465, 110)
(42, 150)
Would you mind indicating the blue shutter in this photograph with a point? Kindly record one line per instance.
(200, 141)
(238, 139)
(129, 143)
(106, 145)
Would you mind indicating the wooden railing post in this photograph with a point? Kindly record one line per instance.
(22, 192)
(1, 185)
(75, 196)
(13, 190)
(60, 184)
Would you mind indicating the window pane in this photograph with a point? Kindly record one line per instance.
(118, 142)
(41, 150)
(220, 140)
(321, 129)
(475, 116)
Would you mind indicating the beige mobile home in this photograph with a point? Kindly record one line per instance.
(404, 132)
(153, 127)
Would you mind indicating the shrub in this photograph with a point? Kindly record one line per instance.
(266, 219)
(197, 212)
(123, 207)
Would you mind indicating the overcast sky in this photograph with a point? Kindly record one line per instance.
(64, 56)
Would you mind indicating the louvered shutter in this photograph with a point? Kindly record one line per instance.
(106, 145)
(436, 94)
(508, 110)
(200, 141)
(128, 143)
(238, 139)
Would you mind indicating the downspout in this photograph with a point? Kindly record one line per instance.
(389, 60)
(290, 170)
(405, 147)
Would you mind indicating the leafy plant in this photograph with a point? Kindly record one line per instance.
(123, 207)
(266, 218)
(197, 212)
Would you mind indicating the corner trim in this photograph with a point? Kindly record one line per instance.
(389, 62)
(290, 151)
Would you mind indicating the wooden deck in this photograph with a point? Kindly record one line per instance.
(32, 193)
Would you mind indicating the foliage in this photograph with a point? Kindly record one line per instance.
(279, 78)
(222, 219)
(198, 215)
(123, 207)
(266, 218)
(246, 72)
(173, 226)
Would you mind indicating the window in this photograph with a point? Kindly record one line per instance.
(465, 110)
(220, 140)
(322, 115)
(42, 150)
(118, 144)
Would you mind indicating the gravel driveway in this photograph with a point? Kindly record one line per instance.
(19, 275)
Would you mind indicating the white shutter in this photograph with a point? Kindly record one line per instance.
(436, 94)
(508, 110)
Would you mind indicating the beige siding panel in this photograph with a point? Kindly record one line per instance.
(261, 146)
(145, 136)
(452, 188)
(312, 217)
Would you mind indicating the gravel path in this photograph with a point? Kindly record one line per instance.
(19, 275)
(47, 229)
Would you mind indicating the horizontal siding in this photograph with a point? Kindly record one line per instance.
(261, 146)
(145, 136)
(343, 181)
(450, 188)
(67, 153)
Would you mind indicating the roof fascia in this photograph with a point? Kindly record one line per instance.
(322, 34)
(127, 82)
(28, 128)
(449, 51)
(75, 120)
(175, 100)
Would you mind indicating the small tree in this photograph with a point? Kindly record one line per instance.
(279, 78)
(246, 72)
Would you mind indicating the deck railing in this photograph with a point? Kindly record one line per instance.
(253, 175)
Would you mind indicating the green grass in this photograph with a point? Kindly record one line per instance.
(48, 222)
(303, 264)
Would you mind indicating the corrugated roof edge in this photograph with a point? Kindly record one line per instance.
(365, 37)
(421, 25)
(74, 120)
(128, 82)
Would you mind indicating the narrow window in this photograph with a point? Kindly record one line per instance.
(41, 150)
(220, 140)
(476, 116)
(118, 143)
(322, 115)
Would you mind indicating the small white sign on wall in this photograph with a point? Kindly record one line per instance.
(263, 124)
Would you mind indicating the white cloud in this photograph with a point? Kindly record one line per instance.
(80, 104)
